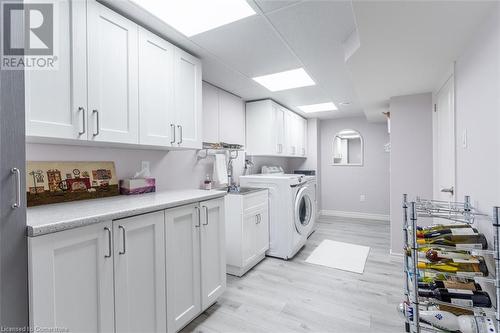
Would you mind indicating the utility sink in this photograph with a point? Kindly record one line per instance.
(244, 190)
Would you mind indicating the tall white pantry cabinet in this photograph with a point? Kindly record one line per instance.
(153, 272)
(116, 83)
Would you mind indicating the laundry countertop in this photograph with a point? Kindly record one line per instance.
(47, 219)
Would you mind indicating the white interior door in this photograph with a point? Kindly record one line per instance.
(445, 145)
(139, 262)
(112, 76)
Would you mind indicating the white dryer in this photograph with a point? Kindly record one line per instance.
(292, 210)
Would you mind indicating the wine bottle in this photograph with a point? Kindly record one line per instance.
(423, 230)
(438, 255)
(452, 231)
(462, 242)
(467, 298)
(450, 322)
(459, 268)
(449, 284)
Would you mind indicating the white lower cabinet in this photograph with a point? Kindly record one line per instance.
(247, 230)
(148, 273)
(139, 263)
(196, 272)
(71, 279)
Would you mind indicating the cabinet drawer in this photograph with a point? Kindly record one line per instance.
(255, 199)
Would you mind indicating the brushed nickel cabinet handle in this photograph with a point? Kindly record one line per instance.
(84, 121)
(172, 129)
(98, 125)
(17, 173)
(124, 240)
(206, 215)
(180, 134)
(259, 218)
(199, 217)
(109, 243)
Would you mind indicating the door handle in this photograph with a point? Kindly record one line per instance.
(180, 134)
(124, 240)
(199, 217)
(98, 125)
(450, 190)
(17, 173)
(206, 215)
(84, 121)
(109, 243)
(172, 130)
(259, 219)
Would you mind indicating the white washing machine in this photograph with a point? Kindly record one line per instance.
(292, 210)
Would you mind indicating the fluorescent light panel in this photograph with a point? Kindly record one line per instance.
(321, 107)
(192, 17)
(294, 78)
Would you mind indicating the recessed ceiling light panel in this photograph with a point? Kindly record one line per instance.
(318, 107)
(192, 17)
(294, 78)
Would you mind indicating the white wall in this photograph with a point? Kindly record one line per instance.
(172, 169)
(477, 102)
(341, 186)
(411, 156)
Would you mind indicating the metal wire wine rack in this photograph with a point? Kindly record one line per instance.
(457, 212)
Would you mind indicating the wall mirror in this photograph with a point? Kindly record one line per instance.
(348, 148)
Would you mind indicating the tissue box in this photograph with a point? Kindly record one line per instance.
(137, 186)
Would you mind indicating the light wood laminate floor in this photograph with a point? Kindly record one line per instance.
(295, 296)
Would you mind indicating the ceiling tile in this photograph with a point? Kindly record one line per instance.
(270, 5)
(250, 46)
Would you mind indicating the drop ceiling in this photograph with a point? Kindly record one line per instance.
(405, 47)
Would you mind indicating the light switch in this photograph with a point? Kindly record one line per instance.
(362, 198)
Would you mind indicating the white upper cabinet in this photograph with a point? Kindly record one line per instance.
(231, 118)
(112, 76)
(56, 100)
(210, 113)
(156, 90)
(223, 116)
(188, 99)
(139, 266)
(272, 130)
(116, 83)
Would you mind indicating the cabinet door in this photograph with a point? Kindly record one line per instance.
(188, 99)
(290, 133)
(183, 265)
(231, 118)
(71, 279)
(210, 113)
(139, 252)
(262, 230)
(156, 90)
(303, 142)
(112, 76)
(248, 237)
(213, 255)
(279, 128)
(56, 100)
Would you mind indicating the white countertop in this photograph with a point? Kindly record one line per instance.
(57, 217)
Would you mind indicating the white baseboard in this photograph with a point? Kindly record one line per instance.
(357, 215)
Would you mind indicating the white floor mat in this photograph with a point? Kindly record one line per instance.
(344, 256)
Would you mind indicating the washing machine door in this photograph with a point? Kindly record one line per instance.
(304, 210)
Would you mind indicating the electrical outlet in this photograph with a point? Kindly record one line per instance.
(362, 198)
(145, 166)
